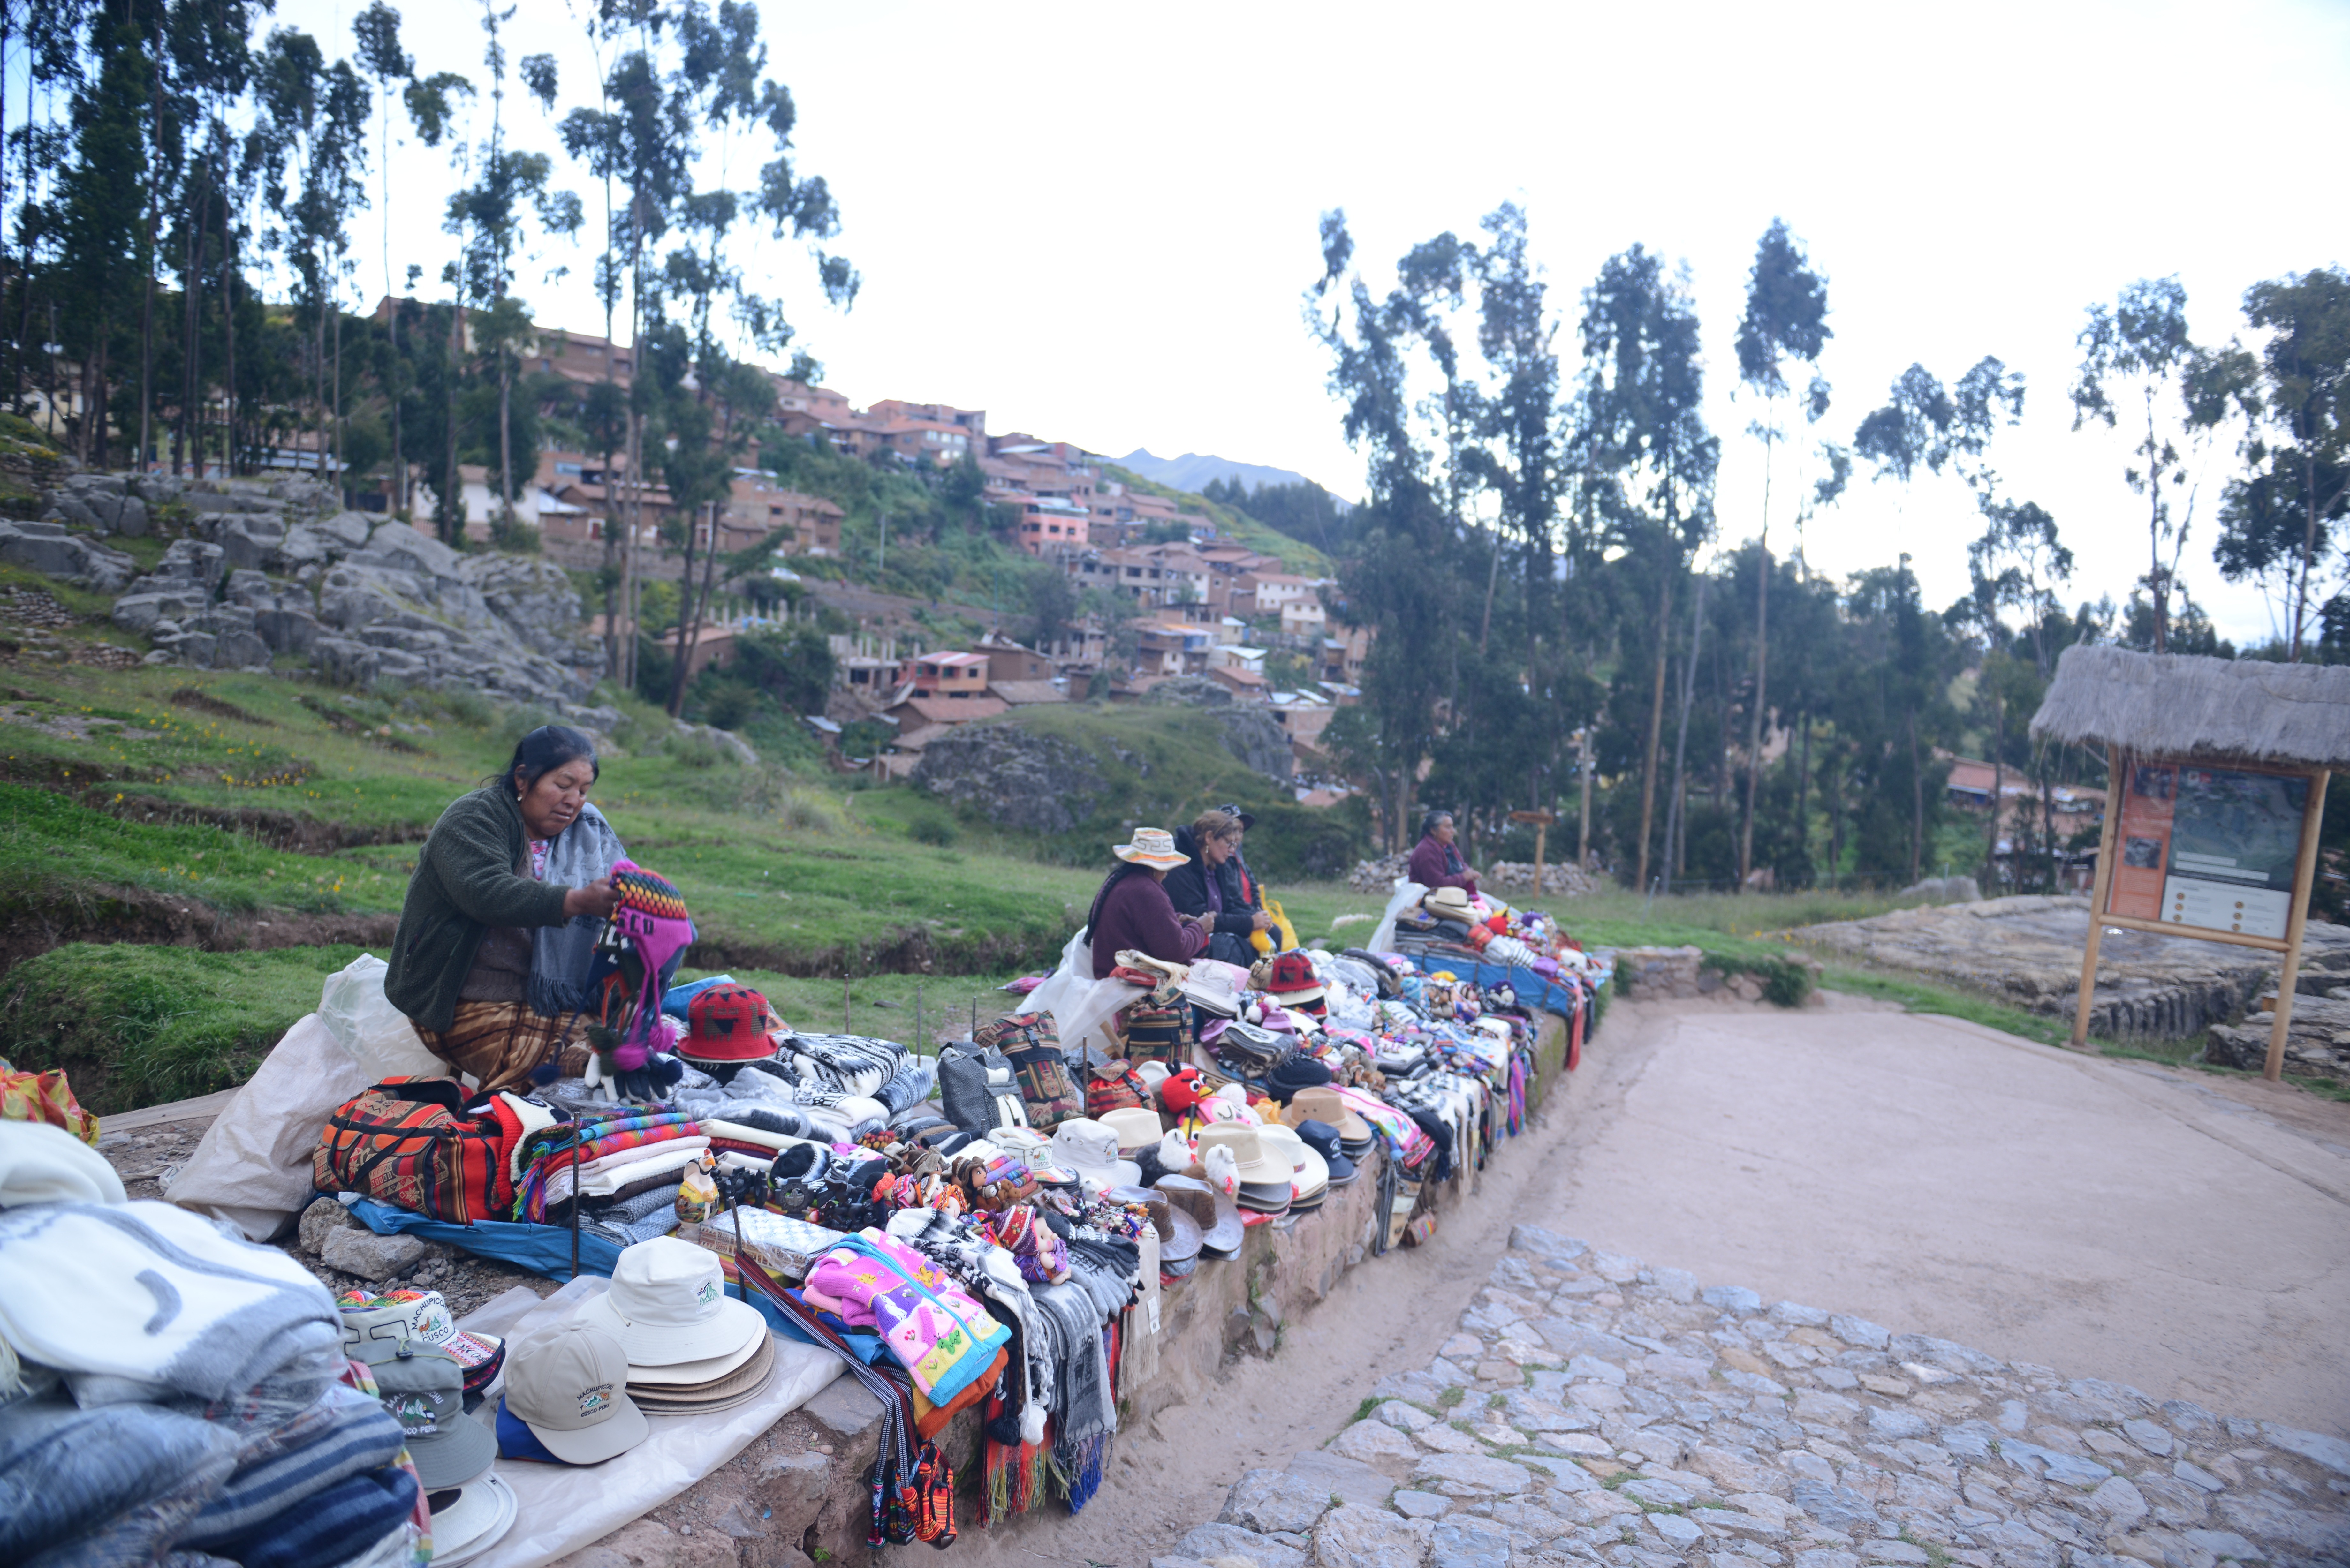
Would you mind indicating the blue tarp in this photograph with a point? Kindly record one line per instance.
(546, 1249)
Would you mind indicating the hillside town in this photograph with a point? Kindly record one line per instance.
(1204, 604)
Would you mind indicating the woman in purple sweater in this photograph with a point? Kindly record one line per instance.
(1436, 861)
(1132, 911)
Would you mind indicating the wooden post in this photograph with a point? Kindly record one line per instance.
(2304, 871)
(848, 1026)
(2117, 786)
(1583, 834)
(1540, 828)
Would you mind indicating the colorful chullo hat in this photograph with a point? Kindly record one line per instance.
(649, 934)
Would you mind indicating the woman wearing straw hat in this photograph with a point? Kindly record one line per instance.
(1132, 911)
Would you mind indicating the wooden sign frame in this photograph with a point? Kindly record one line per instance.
(2118, 778)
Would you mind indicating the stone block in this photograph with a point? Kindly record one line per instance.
(362, 1251)
(792, 1488)
(1546, 1243)
(1677, 1286)
(320, 1220)
(1860, 1332)
(1471, 1475)
(1374, 1443)
(1796, 1315)
(1358, 1537)
(1463, 1540)
(2316, 1447)
(1679, 1532)
(647, 1543)
(1733, 1298)
(845, 1407)
(1269, 1500)
(1840, 1507)
(1416, 1504)
(1209, 1542)
(1348, 1480)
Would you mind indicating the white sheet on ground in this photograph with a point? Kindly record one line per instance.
(253, 1166)
(1078, 1002)
(563, 1509)
(1407, 894)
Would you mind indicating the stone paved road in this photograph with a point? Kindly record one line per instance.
(2163, 1228)
(1590, 1409)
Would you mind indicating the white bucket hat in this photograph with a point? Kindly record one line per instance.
(668, 1303)
(1089, 1148)
(1257, 1162)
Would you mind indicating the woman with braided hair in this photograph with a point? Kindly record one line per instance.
(498, 931)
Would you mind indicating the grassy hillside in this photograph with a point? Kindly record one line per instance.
(1298, 556)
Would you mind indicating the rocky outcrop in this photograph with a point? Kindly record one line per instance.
(1251, 733)
(2028, 952)
(1014, 776)
(2316, 1039)
(263, 572)
(47, 547)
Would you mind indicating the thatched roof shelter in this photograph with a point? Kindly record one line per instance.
(2174, 704)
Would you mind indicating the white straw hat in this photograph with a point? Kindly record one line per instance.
(1150, 846)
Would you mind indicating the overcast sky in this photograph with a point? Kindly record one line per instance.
(1097, 222)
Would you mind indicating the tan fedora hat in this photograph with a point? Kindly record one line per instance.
(1328, 1107)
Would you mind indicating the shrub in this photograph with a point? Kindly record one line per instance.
(935, 830)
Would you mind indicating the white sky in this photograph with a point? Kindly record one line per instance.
(1097, 222)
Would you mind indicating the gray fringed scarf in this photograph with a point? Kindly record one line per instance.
(561, 956)
(1080, 1371)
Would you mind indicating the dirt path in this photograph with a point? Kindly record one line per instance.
(2150, 1226)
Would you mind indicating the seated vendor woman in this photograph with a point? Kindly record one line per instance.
(1213, 885)
(1435, 860)
(487, 962)
(1131, 911)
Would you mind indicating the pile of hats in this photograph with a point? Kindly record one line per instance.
(690, 1348)
(430, 1377)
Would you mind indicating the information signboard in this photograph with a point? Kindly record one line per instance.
(2209, 846)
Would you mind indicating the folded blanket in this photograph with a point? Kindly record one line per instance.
(151, 1292)
(915, 1082)
(65, 1470)
(673, 1157)
(342, 1435)
(628, 1233)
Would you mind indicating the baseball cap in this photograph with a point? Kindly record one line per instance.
(568, 1384)
(431, 1323)
(425, 1391)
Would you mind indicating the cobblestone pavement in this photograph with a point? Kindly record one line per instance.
(1592, 1409)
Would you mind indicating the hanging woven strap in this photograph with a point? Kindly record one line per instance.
(895, 1393)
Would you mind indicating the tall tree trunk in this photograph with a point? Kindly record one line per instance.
(1762, 672)
(1804, 793)
(396, 389)
(2308, 545)
(684, 604)
(452, 483)
(1656, 727)
(1492, 578)
(228, 340)
(1676, 823)
(1917, 800)
(1582, 827)
(191, 380)
(146, 326)
(342, 487)
(1998, 799)
(505, 436)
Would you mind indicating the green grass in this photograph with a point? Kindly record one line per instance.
(138, 1025)
(54, 852)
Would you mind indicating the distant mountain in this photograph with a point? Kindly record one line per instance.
(1193, 470)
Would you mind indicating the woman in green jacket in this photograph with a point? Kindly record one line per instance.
(490, 959)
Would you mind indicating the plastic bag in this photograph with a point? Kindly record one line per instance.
(253, 1166)
(377, 1035)
(1407, 894)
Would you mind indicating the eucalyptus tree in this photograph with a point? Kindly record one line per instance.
(492, 217)
(100, 246)
(2281, 512)
(2138, 361)
(1651, 460)
(1786, 319)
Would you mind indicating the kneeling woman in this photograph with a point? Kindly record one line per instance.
(488, 963)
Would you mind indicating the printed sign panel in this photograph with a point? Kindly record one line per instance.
(2207, 847)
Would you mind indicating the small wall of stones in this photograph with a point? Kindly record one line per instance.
(1592, 1409)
